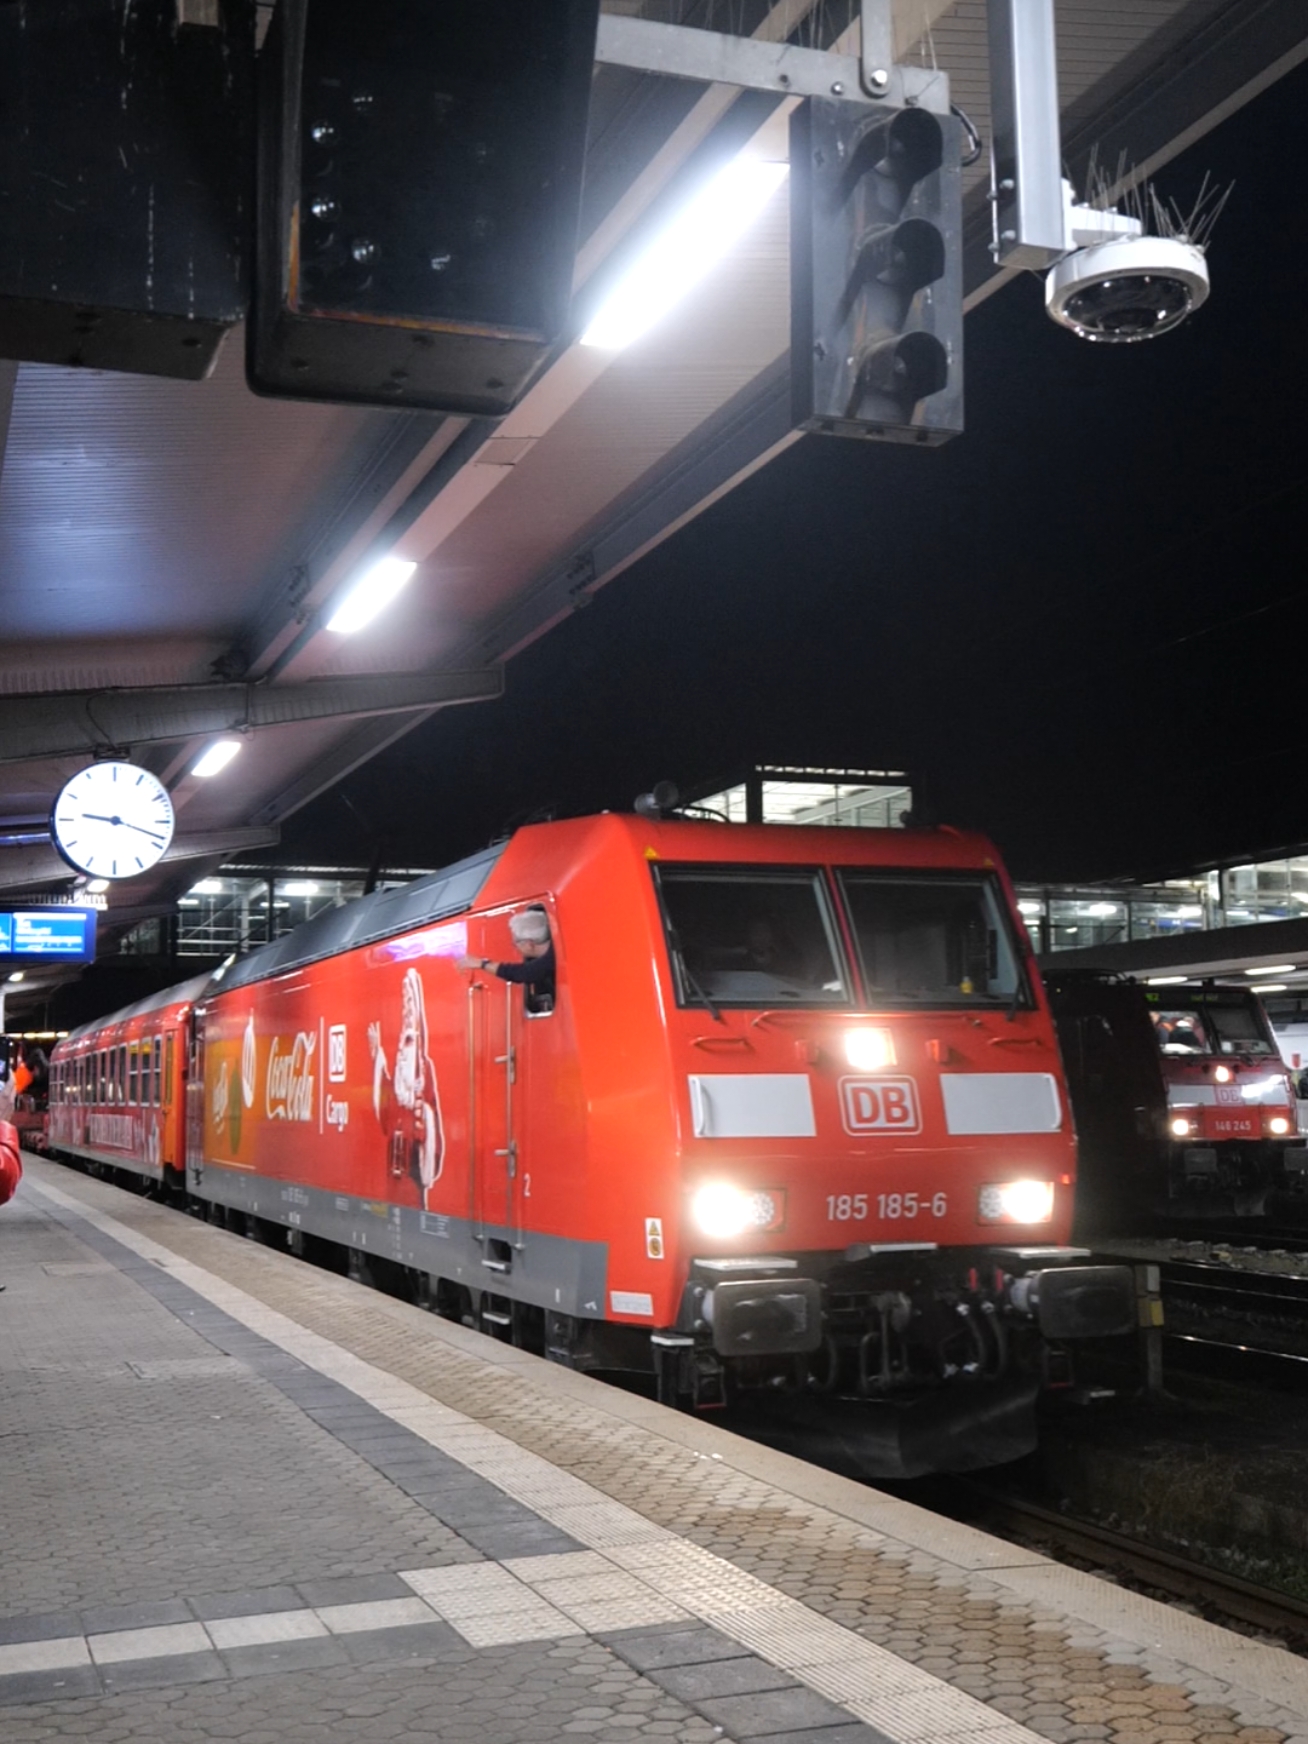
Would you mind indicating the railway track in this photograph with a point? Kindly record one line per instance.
(1225, 1595)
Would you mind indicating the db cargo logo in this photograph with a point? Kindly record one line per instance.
(879, 1105)
(289, 1093)
(336, 1053)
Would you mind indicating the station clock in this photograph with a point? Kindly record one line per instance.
(112, 820)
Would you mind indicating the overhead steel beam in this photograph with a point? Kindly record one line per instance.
(684, 52)
(73, 723)
(24, 868)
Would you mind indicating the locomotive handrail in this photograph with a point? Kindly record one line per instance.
(710, 1042)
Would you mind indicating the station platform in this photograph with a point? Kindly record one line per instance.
(245, 1499)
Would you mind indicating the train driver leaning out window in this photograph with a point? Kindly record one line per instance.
(531, 935)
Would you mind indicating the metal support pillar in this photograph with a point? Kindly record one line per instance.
(878, 46)
(1030, 226)
(1149, 1304)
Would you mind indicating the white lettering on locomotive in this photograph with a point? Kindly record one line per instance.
(880, 1105)
(338, 1114)
(336, 1054)
(289, 1089)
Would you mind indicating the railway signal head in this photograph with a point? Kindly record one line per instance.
(876, 272)
(419, 186)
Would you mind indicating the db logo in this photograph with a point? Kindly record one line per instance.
(336, 1054)
(879, 1105)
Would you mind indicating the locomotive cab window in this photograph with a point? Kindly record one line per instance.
(929, 939)
(743, 937)
(1216, 1029)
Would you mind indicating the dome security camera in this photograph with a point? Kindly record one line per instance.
(1127, 288)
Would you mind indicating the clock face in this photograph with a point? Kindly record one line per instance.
(112, 820)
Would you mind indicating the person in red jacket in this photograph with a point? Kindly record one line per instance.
(11, 1163)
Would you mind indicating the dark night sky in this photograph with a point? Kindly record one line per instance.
(1080, 622)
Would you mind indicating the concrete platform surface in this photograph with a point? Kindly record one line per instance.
(245, 1499)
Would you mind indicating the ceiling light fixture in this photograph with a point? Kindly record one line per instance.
(677, 259)
(1273, 969)
(370, 594)
(217, 757)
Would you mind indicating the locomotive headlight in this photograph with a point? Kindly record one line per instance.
(1017, 1202)
(1182, 1126)
(721, 1211)
(1279, 1125)
(868, 1050)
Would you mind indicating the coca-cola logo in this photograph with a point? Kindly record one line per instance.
(289, 1092)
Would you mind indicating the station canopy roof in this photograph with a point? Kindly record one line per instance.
(165, 544)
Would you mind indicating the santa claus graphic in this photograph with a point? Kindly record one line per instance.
(404, 1095)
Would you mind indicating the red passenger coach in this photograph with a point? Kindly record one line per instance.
(118, 1088)
(792, 1113)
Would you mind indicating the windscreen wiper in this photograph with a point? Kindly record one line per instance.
(693, 985)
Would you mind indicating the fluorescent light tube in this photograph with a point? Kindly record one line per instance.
(217, 757)
(695, 240)
(372, 593)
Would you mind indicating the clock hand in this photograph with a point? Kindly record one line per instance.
(99, 818)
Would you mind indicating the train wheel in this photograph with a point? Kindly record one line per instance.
(560, 1339)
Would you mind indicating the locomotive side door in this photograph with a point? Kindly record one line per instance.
(494, 1074)
(184, 1048)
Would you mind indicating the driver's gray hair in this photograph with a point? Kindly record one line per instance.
(530, 927)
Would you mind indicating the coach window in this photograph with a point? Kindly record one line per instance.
(133, 1054)
(741, 936)
(155, 1096)
(167, 1096)
(122, 1072)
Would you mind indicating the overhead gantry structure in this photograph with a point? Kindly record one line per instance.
(173, 551)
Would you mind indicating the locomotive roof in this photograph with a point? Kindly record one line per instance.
(455, 888)
(181, 993)
(380, 916)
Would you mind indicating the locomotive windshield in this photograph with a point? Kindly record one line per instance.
(1216, 1029)
(741, 936)
(929, 939)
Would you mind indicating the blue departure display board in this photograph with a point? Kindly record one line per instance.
(48, 935)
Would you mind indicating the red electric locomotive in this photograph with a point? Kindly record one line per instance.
(1184, 1107)
(790, 1114)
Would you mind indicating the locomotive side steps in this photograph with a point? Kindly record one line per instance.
(243, 1494)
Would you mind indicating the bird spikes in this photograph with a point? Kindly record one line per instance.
(1120, 191)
